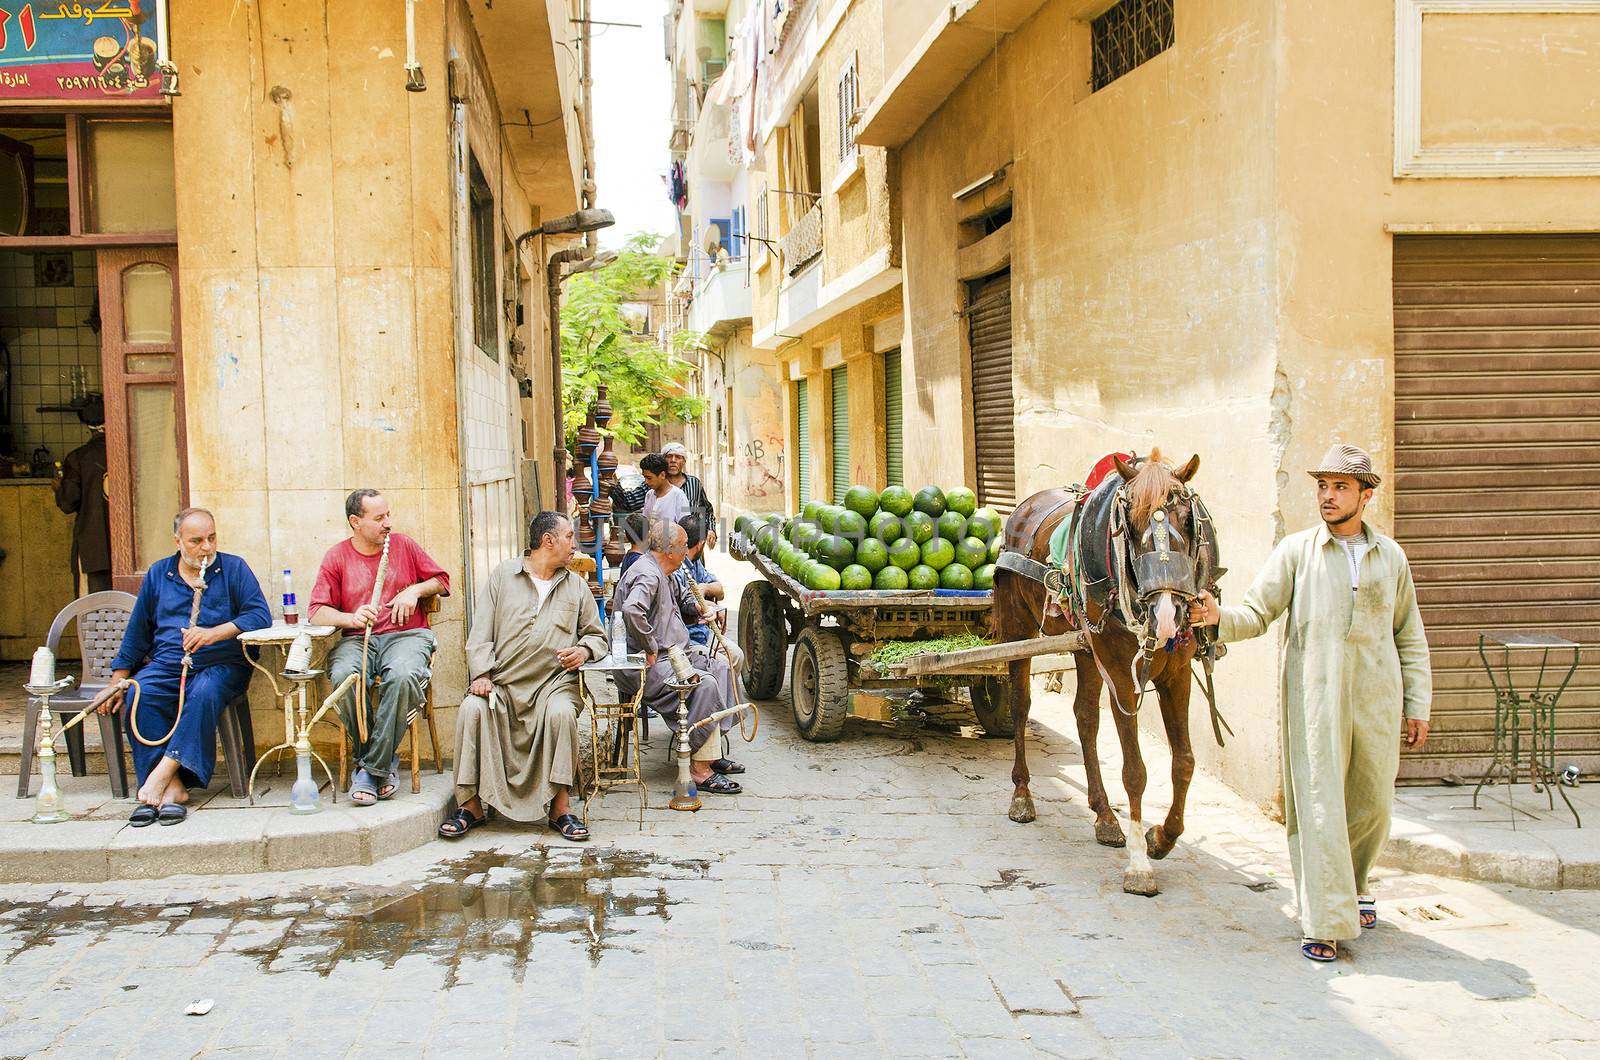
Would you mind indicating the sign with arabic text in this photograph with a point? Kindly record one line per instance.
(79, 51)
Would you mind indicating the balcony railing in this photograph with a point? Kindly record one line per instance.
(802, 243)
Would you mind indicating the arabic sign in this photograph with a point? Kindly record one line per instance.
(80, 51)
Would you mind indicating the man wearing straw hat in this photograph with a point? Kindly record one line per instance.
(1355, 678)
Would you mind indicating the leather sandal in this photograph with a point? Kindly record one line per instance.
(717, 784)
(460, 823)
(727, 767)
(172, 813)
(570, 828)
(143, 817)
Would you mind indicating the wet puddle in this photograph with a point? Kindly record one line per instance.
(486, 904)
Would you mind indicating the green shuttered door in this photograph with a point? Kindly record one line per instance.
(893, 422)
(839, 379)
(802, 447)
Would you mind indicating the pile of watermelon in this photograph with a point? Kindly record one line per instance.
(933, 539)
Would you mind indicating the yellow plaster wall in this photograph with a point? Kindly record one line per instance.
(315, 207)
(37, 568)
(1143, 284)
(756, 480)
(855, 214)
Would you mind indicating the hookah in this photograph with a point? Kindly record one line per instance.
(50, 807)
(685, 796)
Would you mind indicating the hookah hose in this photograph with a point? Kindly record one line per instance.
(183, 674)
(734, 654)
(105, 694)
(366, 640)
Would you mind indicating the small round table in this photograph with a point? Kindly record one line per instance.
(279, 637)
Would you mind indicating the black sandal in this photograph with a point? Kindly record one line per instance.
(571, 829)
(460, 823)
(143, 817)
(717, 784)
(727, 767)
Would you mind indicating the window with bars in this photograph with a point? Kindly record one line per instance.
(849, 96)
(839, 410)
(802, 440)
(1128, 35)
(893, 422)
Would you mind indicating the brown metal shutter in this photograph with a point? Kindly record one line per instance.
(1497, 461)
(994, 429)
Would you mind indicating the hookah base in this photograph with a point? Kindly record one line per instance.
(50, 817)
(684, 800)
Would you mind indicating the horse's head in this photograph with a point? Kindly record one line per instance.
(1162, 539)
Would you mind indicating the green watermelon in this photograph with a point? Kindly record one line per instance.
(789, 560)
(956, 576)
(890, 578)
(952, 526)
(799, 528)
(766, 539)
(929, 501)
(960, 499)
(863, 500)
(991, 515)
(919, 527)
(872, 554)
(855, 576)
(828, 517)
(741, 524)
(982, 528)
(905, 553)
(822, 577)
(972, 552)
(983, 577)
(852, 526)
(938, 553)
(835, 551)
(810, 510)
(896, 500)
(994, 549)
(886, 527)
(922, 576)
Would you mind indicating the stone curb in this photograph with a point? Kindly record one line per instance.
(1544, 860)
(225, 840)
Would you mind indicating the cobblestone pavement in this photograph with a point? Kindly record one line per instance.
(863, 898)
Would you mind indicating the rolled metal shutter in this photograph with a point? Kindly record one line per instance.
(993, 423)
(1497, 473)
(839, 382)
(894, 422)
(802, 445)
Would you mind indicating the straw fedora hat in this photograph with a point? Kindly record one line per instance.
(1341, 459)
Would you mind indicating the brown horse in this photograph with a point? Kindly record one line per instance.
(1156, 510)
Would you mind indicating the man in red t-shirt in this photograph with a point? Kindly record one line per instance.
(401, 649)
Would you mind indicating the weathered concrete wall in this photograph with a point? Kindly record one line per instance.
(855, 202)
(1143, 284)
(755, 481)
(316, 274)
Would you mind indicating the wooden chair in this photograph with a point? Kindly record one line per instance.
(428, 606)
(102, 618)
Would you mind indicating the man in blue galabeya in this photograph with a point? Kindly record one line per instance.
(174, 752)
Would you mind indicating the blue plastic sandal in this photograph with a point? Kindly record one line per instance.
(1310, 948)
(1367, 910)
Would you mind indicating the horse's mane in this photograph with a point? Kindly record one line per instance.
(1149, 489)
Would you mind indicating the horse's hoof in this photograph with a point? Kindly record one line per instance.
(1109, 834)
(1143, 883)
(1022, 809)
(1156, 844)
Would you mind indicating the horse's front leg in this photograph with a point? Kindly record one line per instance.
(1116, 668)
(1086, 708)
(1174, 688)
(1021, 700)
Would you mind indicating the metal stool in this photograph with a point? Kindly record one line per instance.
(1541, 707)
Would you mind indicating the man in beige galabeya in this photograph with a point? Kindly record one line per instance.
(1355, 678)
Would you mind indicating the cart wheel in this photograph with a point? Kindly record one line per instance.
(819, 684)
(763, 640)
(991, 702)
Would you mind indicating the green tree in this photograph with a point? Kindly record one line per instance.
(644, 381)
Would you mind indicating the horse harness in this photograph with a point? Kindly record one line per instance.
(1119, 579)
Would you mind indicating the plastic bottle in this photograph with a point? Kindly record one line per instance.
(619, 638)
(291, 610)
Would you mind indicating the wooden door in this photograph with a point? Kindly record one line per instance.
(142, 375)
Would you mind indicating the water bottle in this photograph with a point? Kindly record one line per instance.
(291, 610)
(619, 638)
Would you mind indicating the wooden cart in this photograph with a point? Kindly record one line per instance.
(833, 633)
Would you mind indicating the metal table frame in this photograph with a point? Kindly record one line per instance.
(1540, 704)
(281, 637)
(613, 743)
